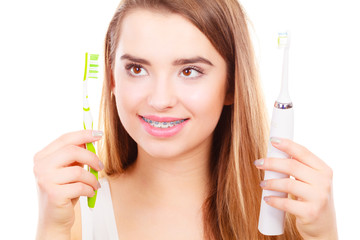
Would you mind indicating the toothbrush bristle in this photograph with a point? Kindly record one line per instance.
(93, 66)
(283, 39)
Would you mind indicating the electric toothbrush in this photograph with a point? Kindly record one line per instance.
(271, 220)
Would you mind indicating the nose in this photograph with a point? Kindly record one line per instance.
(162, 95)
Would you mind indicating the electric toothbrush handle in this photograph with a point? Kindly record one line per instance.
(271, 220)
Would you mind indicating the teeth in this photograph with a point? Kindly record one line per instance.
(163, 124)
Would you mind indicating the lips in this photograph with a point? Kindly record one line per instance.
(162, 126)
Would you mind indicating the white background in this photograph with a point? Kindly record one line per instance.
(42, 47)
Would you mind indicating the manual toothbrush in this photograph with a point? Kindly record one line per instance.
(91, 71)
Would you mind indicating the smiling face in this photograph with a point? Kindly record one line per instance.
(169, 84)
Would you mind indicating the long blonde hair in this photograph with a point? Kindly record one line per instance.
(233, 204)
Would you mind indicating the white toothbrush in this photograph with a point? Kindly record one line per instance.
(271, 220)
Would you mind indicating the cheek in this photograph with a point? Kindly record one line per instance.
(128, 97)
(206, 102)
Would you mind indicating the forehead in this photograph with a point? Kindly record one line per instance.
(152, 33)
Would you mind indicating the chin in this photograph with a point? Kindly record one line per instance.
(160, 151)
(174, 150)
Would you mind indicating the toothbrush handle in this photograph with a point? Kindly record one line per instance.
(92, 200)
(88, 124)
(271, 220)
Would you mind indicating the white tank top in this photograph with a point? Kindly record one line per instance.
(99, 223)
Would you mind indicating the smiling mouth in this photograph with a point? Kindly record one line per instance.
(159, 124)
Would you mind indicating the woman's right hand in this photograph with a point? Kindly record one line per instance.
(61, 180)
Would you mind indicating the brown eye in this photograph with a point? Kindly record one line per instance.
(187, 72)
(191, 72)
(136, 70)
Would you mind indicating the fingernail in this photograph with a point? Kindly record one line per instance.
(262, 184)
(259, 162)
(98, 185)
(97, 133)
(275, 140)
(266, 199)
(101, 165)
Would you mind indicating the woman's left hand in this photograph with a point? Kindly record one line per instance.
(313, 205)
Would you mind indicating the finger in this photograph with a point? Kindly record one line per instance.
(75, 190)
(288, 166)
(289, 205)
(71, 155)
(78, 138)
(61, 194)
(298, 152)
(76, 174)
(288, 185)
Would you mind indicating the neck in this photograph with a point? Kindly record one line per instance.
(179, 180)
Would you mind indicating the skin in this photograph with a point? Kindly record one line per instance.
(61, 180)
(170, 174)
(312, 188)
(160, 196)
(162, 88)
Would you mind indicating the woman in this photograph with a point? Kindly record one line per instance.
(184, 121)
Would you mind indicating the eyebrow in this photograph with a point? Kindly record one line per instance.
(177, 62)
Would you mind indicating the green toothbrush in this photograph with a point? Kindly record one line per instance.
(91, 71)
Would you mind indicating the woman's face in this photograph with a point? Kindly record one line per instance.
(169, 84)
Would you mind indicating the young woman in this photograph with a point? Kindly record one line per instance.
(185, 131)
